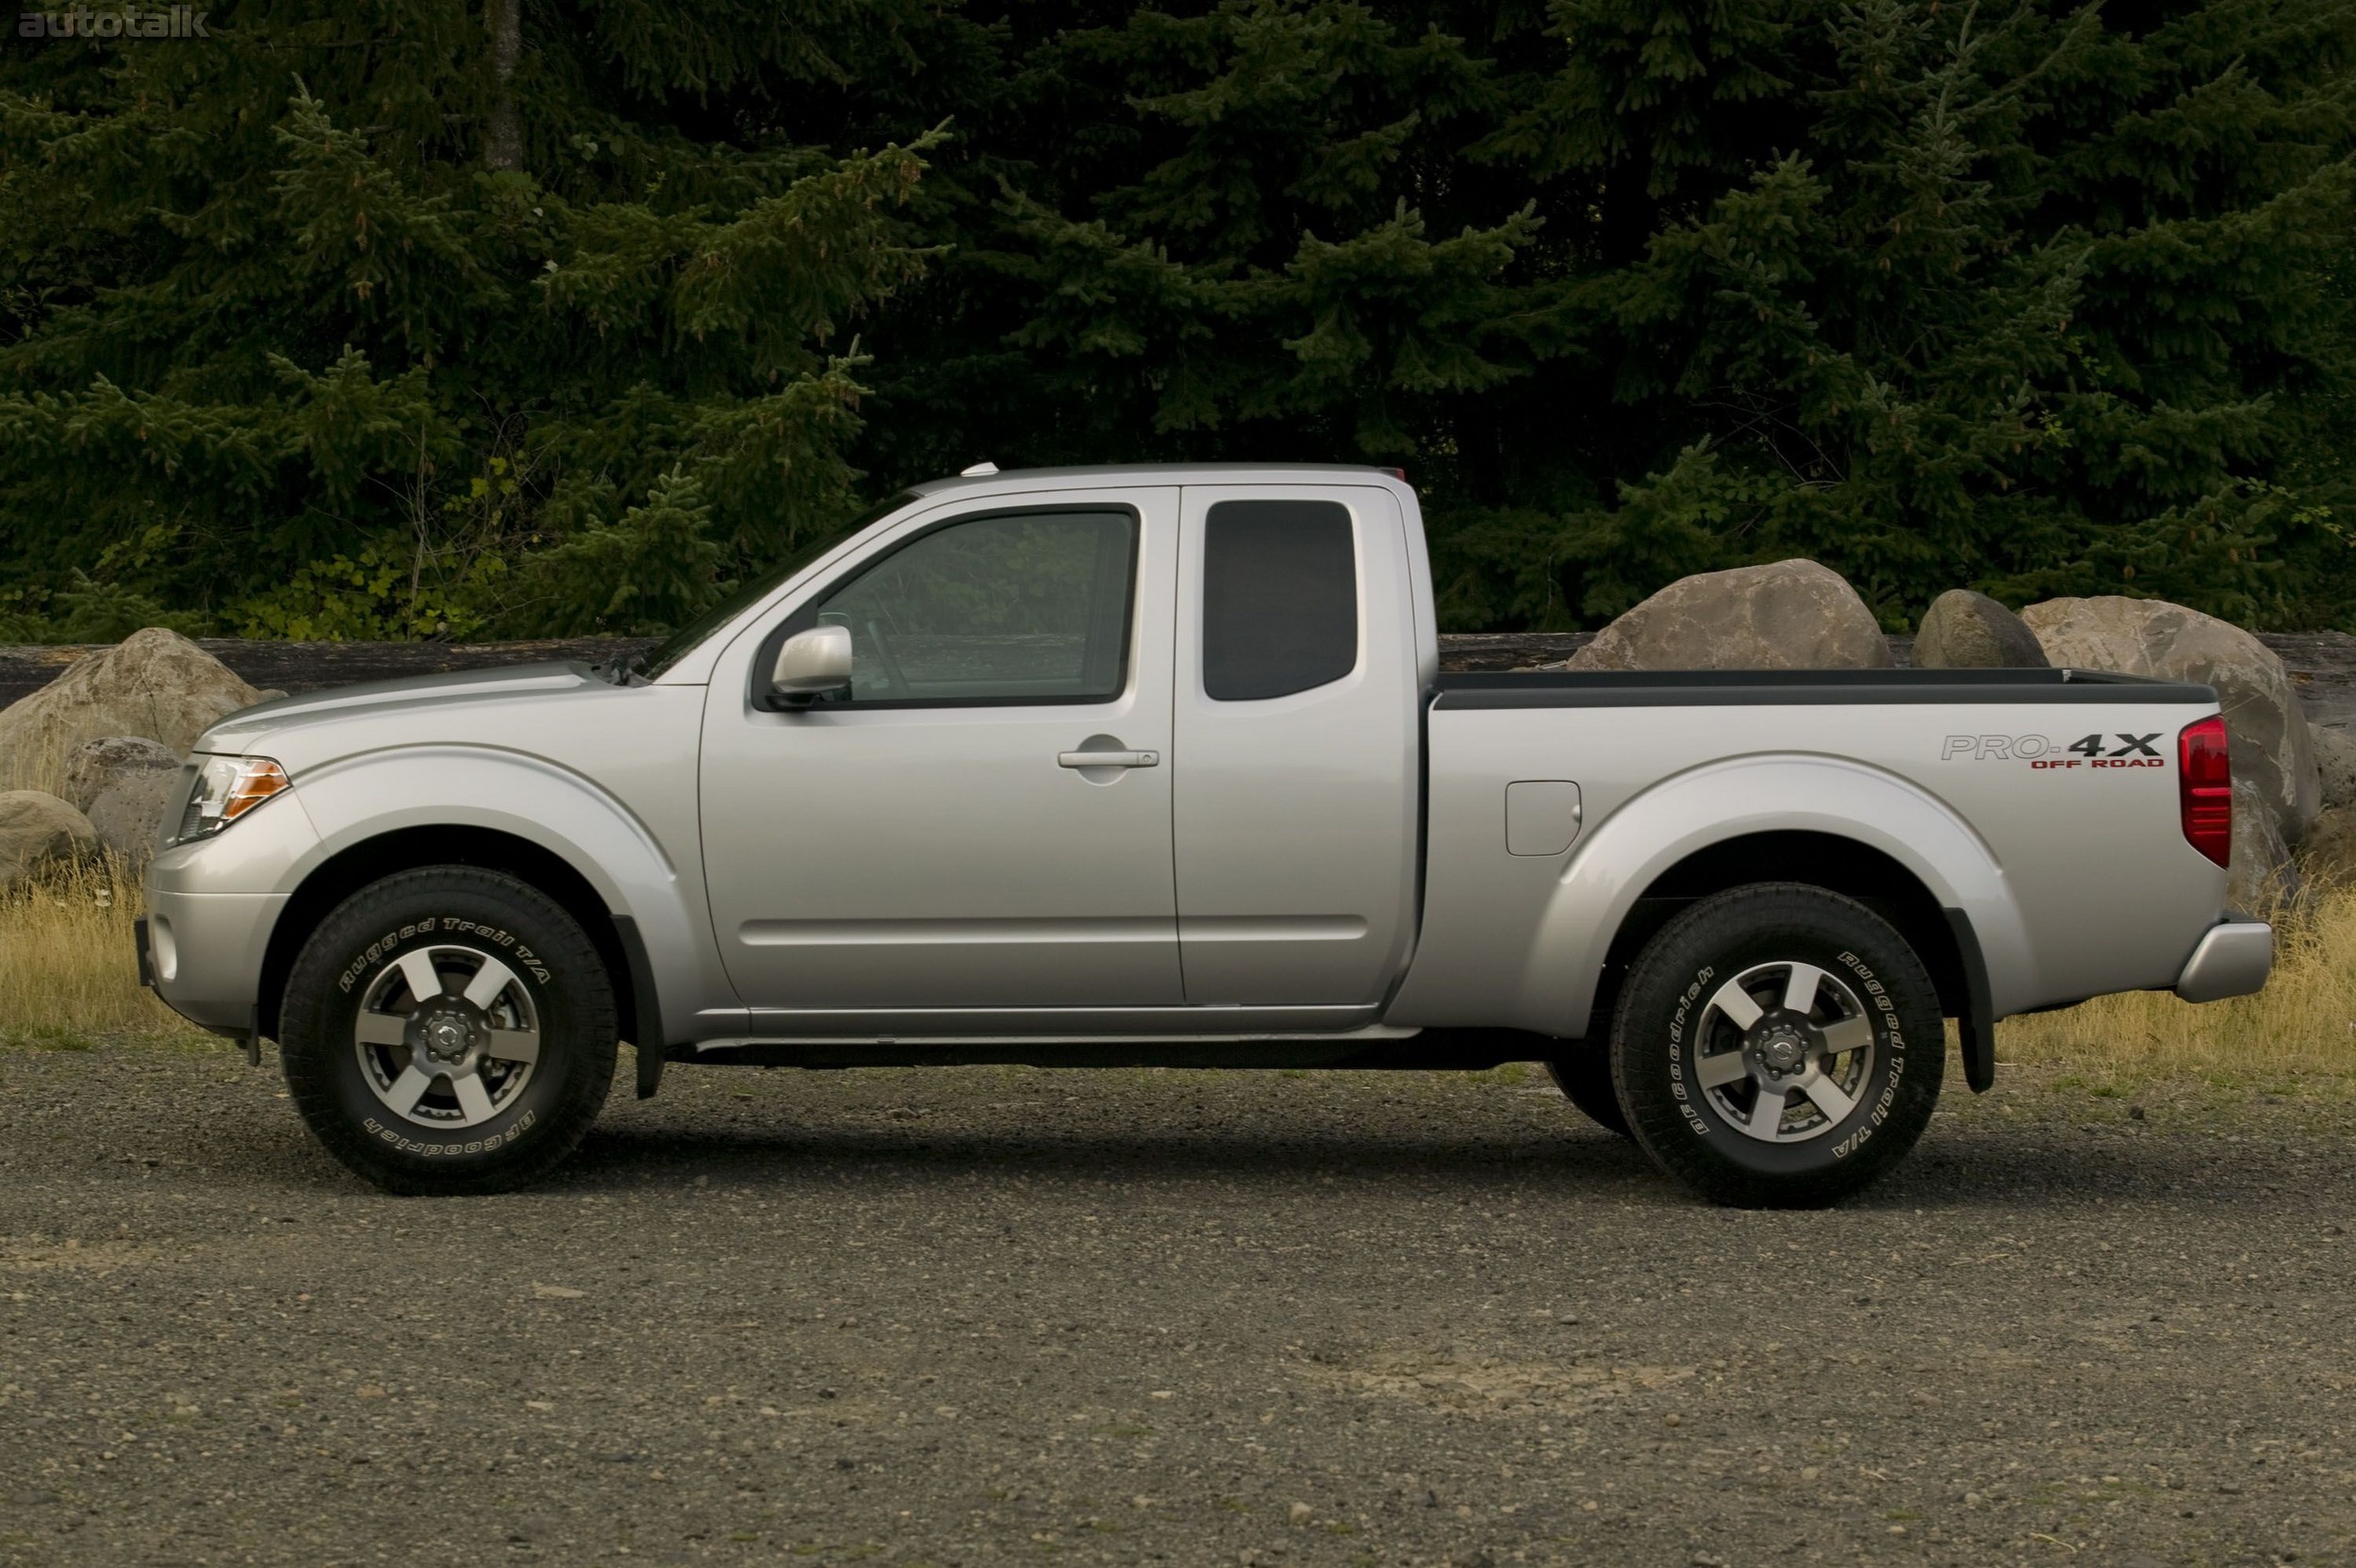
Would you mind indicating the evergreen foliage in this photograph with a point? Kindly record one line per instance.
(284, 352)
(352, 322)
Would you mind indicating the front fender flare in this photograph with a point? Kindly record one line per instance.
(357, 799)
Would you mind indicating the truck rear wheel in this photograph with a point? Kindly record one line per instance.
(448, 1030)
(1778, 1045)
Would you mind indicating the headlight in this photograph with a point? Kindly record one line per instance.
(227, 789)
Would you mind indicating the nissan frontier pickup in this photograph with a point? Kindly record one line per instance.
(1156, 765)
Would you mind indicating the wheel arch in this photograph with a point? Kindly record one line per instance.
(1841, 865)
(335, 879)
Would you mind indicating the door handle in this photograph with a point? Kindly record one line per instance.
(1107, 759)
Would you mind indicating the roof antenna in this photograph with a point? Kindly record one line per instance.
(983, 469)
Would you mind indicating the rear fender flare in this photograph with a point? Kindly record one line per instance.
(1624, 855)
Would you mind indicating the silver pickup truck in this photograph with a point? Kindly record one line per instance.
(1156, 766)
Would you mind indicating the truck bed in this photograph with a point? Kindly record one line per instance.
(2035, 809)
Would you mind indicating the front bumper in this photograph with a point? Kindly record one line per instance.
(202, 953)
(211, 907)
(2233, 960)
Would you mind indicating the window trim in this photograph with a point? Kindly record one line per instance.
(805, 615)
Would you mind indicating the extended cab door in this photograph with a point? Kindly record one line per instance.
(935, 840)
(1298, 745)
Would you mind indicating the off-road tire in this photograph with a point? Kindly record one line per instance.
(549, 956)
(1583, 1073)
(1668, 1003)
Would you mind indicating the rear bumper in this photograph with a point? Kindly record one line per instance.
(2233, 960)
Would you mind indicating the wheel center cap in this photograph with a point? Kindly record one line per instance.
(1782, 1049)
(446, 1038)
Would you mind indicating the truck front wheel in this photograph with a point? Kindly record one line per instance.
(1778, 1045)
(448, 1030)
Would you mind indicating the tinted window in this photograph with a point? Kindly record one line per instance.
(1029, 608)
(1280, 598)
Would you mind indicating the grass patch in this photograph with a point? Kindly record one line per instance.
(69, 970)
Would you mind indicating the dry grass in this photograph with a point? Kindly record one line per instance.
(35, 762)
(67, 975)
(69, 972)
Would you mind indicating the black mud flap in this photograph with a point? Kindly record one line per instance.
(645, 1021)
(1975, 1025)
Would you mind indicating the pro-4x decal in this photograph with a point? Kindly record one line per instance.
(2118, 749)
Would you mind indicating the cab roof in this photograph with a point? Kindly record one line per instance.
(1158, 473)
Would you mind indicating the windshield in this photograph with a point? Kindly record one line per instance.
(680, 643)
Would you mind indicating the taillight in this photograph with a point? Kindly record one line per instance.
(2204, 788)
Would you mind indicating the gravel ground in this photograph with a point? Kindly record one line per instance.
(990, 1315)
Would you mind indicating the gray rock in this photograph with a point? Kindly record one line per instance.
(1963, 630)
(98, 765)
(2272, 749)
(2263, 873)
(36, 829)
(2335, 765)
(154, 682)
(1791, 615)
(129, 817)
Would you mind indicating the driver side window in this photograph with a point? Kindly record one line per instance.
(1012, 608)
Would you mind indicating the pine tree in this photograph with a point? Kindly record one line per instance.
(368, 306)
(386, 325)
(2044, 300)
(2023, 302)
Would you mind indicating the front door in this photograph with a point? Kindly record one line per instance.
(937, 839)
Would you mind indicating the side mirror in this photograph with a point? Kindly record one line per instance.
(811, 664)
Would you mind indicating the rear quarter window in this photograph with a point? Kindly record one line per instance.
(1280, 598)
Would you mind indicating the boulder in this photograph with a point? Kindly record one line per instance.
(35, 828)
(98, 765)
(2335, 765)
(2272, 749)
(2329, 855)
(129, 817)
(154, 682)
(2262, 873)
(1963, 630)
(1791, 615)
